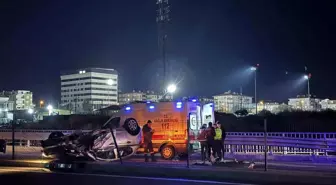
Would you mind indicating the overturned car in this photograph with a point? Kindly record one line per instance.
(98, 145)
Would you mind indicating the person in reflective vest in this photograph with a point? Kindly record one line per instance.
(218, 141)
(148, 145)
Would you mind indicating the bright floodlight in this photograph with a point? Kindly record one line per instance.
(30, 111)
(306, 77)
(171, 88)
(109, 82)
(253, 68)
(49, 107)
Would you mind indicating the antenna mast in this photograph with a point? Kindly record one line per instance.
(162, 20)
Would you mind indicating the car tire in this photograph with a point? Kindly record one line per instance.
(132, 126)
(167, 152)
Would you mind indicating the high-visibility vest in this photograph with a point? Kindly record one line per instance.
(218, 135)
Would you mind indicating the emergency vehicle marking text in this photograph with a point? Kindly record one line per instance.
(166, 120)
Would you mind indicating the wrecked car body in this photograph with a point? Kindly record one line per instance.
(97, 145)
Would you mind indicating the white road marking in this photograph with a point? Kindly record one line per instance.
(20, 169)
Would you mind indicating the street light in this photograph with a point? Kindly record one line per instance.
(41, 103)
(50, 108)
(307, 77)
(30, 111)
(171, 88)
(109, 82)
(254, 69)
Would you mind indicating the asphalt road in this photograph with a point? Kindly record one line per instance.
(33, 154)
(41, 177)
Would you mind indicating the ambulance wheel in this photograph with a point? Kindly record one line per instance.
(167, 152)
(132, 126)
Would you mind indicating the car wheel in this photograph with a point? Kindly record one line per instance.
(132, 126)
(167, 152)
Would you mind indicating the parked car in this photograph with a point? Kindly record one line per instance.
(97, 145)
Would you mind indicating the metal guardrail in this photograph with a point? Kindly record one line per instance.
(310, 135)
(279, 145)
(304, 135)
(236, 142)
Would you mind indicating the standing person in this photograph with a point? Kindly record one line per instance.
(218, 141)
(210, 139)
(148, 135)
(221, 145)
(204, 145)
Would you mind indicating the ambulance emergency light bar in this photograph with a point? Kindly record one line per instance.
(179, 105)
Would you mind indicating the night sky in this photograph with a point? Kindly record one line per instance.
(211, 44)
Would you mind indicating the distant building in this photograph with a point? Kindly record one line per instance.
(328, 104)
(4, 109)
(199, 99)
(305, 103)
(230, 102)
(17, 100)
(128, 97)
(273, 107)
(131, 96)
(85, 90)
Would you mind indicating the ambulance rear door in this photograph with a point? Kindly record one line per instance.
(194, 124)
(208, 113)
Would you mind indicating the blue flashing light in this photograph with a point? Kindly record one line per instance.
(193, 100)
(179, 105)
(151, 107)
(148, 101)
(128, 108)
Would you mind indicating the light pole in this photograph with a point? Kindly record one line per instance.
(254, 69)
(110, 83)
(307, 77)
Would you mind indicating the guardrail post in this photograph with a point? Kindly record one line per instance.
(13, 137)
(28, 143)
(265, 140)
(115, 143)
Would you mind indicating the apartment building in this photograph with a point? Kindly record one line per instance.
(85, 90)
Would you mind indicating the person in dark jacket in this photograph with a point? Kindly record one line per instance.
(210, 139)
(204, 145)
(148, 145)
(223, 139)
